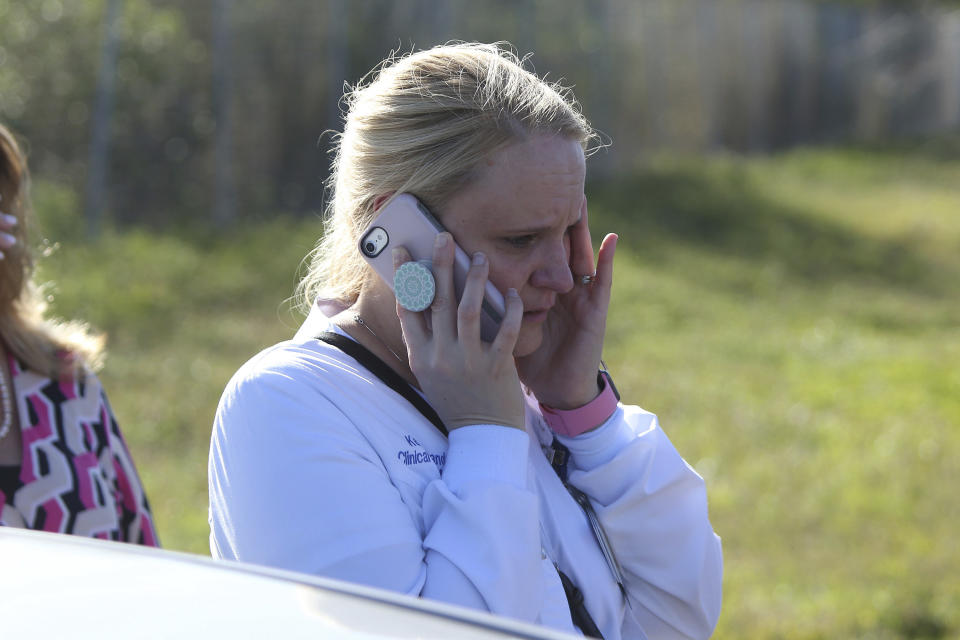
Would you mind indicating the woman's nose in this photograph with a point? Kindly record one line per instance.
(554, 273)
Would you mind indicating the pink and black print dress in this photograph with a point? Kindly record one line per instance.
(76, 475)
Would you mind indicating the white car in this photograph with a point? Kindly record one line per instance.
(60, 586)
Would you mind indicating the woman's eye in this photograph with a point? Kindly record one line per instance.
(520, 242)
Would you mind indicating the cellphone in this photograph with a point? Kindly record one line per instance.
(406, 222)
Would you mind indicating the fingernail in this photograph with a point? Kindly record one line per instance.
(512, 293)
(479, 258)
(7, 240)
(396, 256)
(441, 240)
(9, 219)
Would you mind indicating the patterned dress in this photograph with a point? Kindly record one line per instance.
(76, 475)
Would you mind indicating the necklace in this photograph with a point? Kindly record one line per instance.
(7, 406)
(359, 321)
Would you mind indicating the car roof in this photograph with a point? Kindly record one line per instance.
(58, 585)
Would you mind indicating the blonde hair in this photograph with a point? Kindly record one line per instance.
(51, 347)
(421, 124)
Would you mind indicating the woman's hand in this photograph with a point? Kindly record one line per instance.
(466, 381)
(562, 372)
(7, 224)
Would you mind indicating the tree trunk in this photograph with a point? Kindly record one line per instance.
(224, 208)
(99, 159)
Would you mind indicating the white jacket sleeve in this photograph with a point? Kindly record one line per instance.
(482, 519)
(653, 506)
(295, 485)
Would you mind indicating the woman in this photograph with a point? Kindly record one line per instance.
(332, 463)
(64, 466)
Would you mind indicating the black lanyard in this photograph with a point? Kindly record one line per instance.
(388, 376)
(578, 610)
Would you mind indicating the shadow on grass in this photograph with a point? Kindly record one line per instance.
(721, 209)
(916, 619)
(943, 148)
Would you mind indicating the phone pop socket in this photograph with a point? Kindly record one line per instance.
(414, 286)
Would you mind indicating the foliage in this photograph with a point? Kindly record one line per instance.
(181, 314)
(701, 74)
(793, 321)
(49, 57)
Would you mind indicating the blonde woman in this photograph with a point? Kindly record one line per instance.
(504, 476)
(64, 466)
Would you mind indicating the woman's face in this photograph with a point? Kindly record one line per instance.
(520, 211)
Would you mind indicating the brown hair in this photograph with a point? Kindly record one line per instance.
(48, 346)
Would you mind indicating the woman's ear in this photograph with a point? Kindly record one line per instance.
(379, 201)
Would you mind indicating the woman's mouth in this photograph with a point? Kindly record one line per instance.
(535, 316)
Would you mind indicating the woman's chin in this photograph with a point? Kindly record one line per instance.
(528, 341)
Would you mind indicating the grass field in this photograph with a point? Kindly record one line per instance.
(794, 321)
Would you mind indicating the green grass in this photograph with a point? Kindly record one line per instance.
(794, 321)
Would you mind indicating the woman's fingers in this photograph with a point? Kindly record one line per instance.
(509, 331)
(7, 240)
(442, 317)
(603, 282)
(468, 312)
(7, 224)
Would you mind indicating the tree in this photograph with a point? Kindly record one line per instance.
(102, 116)
(224, 209)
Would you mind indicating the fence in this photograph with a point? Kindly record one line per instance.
(219, 106)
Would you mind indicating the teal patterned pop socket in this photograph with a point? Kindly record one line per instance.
(414, 286)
